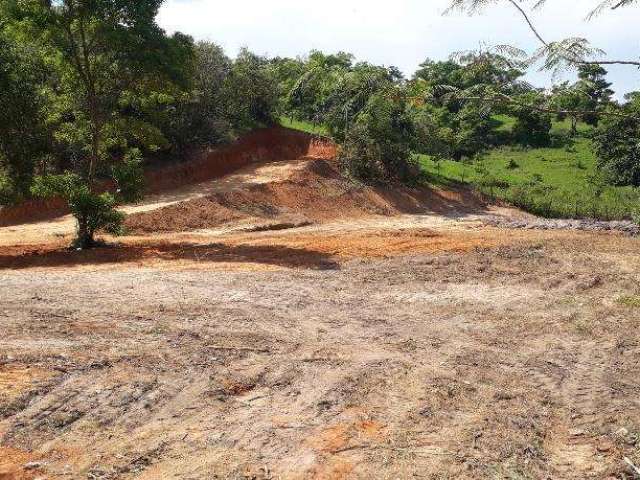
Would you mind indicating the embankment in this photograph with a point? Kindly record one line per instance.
(264, 145)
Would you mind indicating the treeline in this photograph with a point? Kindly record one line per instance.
(87, 84)
(88, 89)
(453, 109)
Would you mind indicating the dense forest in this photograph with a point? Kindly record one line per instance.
(92, 90)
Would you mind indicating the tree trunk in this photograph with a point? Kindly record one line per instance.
(96, 133)
(84, 239)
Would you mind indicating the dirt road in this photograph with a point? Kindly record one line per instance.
(386, 346)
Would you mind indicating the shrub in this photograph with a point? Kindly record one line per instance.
(93, 211)
(617, 144)
(532, 127)
(377, 147)
(129, 177)
(360, 156)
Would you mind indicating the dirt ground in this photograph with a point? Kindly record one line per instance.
(400, 339)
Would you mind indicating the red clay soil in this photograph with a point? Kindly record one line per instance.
(315, 193)
(262, 145)
(259, 146)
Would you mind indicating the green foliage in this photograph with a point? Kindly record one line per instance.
(198, 118)
(93, 211)
(354, 93)
(7, 192)
(114, 79)
(110, 62)
(23, 133)
(250, 92)
(467, 70)
(362, 106)
(377, 147)
(129, 177)
(306, 94)
(547, 182)
(617, 144)
(452, 121)
(569, 98)
(532, 127)
(596, 91)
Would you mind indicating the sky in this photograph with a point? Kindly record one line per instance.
(402, 33)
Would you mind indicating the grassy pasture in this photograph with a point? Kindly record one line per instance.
(560, 181)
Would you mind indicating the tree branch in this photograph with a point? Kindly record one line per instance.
(569, 56)
(501, 97)
(574, 60)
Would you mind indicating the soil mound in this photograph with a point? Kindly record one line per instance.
(260, 146)
(316, 192)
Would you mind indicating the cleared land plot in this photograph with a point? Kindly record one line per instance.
(494, 361)
(399, 337)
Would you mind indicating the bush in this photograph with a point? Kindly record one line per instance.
(617, 144)
(93, 211)
(532, 129)
(129, 177)
(360, 156)
(377, 148)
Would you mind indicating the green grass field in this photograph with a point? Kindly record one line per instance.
(558, 182)
(551, 182)
(303, 126)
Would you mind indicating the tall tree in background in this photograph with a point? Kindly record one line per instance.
(593, 84)
(23, 134)
(109, 58)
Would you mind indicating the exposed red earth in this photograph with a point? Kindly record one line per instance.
(267, 318)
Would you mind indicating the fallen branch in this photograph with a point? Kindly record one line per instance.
(635, 469)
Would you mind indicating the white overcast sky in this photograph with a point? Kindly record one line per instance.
(399, 32)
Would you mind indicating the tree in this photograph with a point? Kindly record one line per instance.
(102, 49)
(112, 64)
(617, 145)
(532, 126)
(23, 133)
(250, 92)
(308, 95)
(569, 98)
(594, 86)
(350, 95)
(451, 120)
(377, 146)
(198, 117)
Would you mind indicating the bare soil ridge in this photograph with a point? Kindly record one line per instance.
(262, 145)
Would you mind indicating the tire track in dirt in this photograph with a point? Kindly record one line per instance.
(587, 404)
